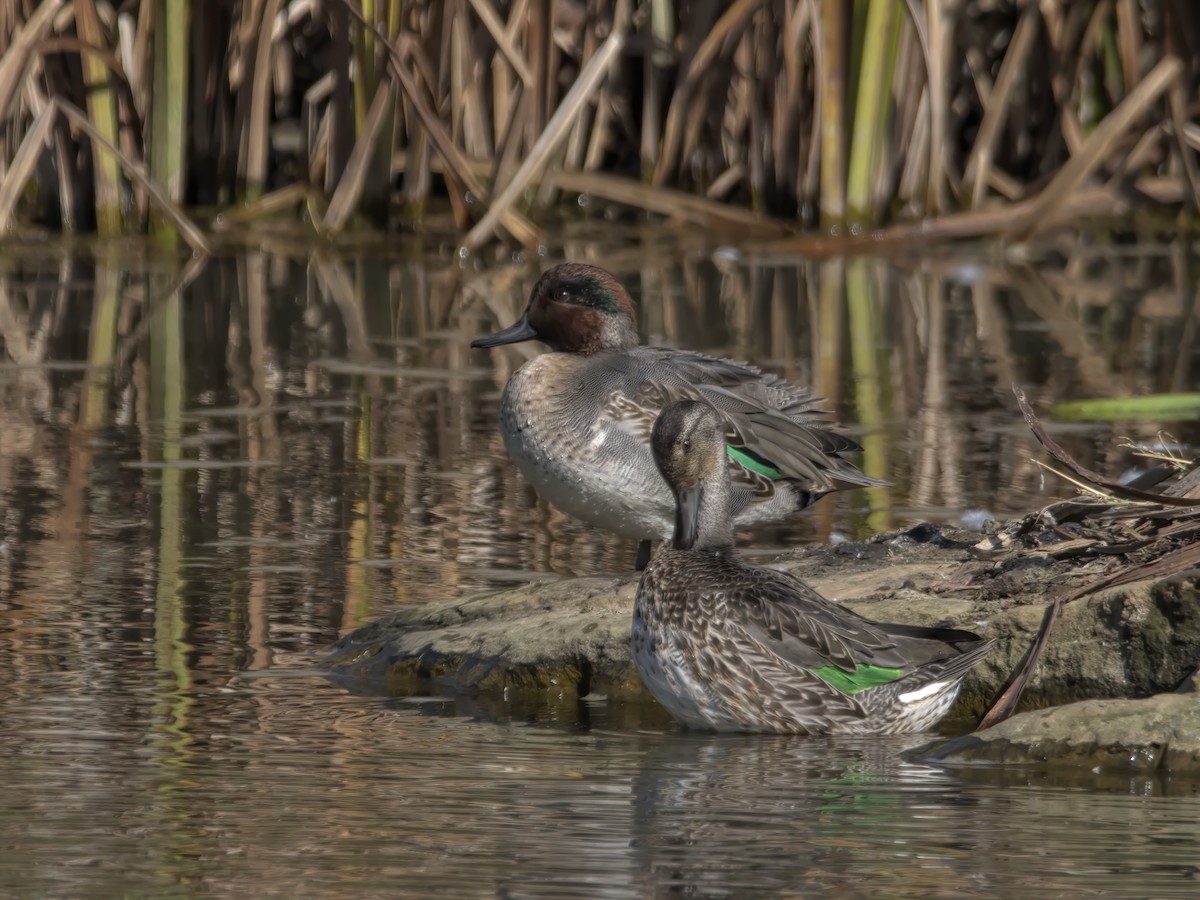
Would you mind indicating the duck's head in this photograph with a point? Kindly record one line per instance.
(575, 308)
(688, 442)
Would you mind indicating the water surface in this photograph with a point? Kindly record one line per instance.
(208, 475)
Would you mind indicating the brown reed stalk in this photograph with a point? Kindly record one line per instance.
(258, 17)
(349, 193)
(831, 111)
(20, 170)
(999, 104)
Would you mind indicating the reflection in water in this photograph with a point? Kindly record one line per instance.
(218, 470)
(852, 815)
(293, 788)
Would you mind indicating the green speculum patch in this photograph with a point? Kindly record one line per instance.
(861, 679)
(748, 459)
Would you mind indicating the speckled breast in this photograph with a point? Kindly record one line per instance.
(555, 432)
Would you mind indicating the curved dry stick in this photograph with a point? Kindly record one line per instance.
(1006, 704)
(1180, 559)
(1113, 487)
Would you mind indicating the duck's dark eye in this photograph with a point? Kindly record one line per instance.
(563, 294)
(687, 443)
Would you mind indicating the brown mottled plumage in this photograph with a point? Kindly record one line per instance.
(727, 646)
(576, 421)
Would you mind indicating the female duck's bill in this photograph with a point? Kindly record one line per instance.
(727, 646)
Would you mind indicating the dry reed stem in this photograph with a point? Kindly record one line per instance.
(998, 104)
(872, 113)
(466, 106)
(577, 143)
(911, 102)
(457, 164)
(1098, 146)
(913, 186)
(786, 96)
(662, 33)
(15, 61)
(678, 119)
(504, 41)
(1129, 43)
(669, 202)
(350, 185)
(23, 164)
(555, 133)
(168, 139)
(831, 112)
(1086, 203)
(141, 55)
(258, 138)
(102, 110)
(265, 207)
(137, 172)
(939, 47)
(609, 100)
(1179, 99)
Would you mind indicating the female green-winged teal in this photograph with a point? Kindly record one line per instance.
(727, 646)
(577, 421)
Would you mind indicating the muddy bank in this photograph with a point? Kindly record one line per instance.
(570, 637)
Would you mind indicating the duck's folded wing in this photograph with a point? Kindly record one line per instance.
(776, 442)
(770, 390)
(807, 451)
(798, 625)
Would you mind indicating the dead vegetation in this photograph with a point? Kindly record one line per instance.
(1145, 533)
(939, 120)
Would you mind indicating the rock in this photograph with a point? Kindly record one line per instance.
(1159, 734)
(572, 635)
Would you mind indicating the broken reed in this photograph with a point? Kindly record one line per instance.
(995, 117)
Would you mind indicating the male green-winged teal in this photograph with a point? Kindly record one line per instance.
(727, 646)
(576, 421)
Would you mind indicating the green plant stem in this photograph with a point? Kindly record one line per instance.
(169, 108)
(872, 110)
(102, 110)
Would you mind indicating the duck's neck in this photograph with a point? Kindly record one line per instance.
(618, 334)
(703, 522)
